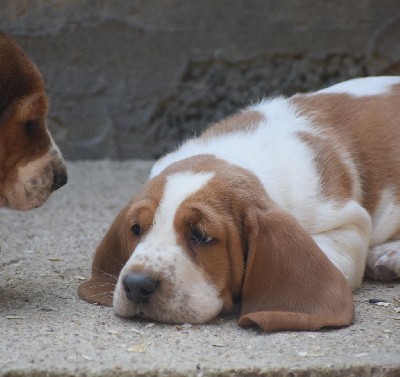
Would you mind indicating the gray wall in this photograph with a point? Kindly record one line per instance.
(132, 78)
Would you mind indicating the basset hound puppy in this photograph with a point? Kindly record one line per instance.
(283, 206)
(31, 165)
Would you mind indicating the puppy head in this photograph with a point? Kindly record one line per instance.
(179, 236)
(203, 233)
(31, 166)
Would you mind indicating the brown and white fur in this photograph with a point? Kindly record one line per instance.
(284, 206)
(31, 165)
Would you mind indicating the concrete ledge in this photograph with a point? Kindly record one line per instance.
(46, 330)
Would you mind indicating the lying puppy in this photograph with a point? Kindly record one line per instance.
(284, 206)
(31, 166)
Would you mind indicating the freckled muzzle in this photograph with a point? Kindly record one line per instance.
(168, 290)
(36, 181)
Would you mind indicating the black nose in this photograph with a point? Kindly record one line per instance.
(138, 287)
(59, 180)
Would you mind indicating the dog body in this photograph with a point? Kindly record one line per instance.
(31, 165)
(284, 205)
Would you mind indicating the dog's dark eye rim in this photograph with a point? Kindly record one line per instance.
(136, 229)
(198, 236)
(30, 126)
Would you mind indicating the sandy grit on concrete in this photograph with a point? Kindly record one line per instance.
(46, 330)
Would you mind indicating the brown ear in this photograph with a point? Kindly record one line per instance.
(289, 283)
(111, 255)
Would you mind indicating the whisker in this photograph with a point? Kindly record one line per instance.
(107, 274)
(102, 285)
(116, 259)
(107, 293)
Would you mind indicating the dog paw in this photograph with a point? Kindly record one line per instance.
(384, 262)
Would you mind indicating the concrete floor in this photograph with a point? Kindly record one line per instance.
(46, 330)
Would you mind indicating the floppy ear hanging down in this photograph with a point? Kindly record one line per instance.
(111, 255)
(289, 283)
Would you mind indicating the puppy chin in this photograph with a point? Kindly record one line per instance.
(122, 306)
(35, 182)
(22, 199)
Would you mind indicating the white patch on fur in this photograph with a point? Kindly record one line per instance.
(366, 86)
(343, 235)
(274, 153)
(290, 165)
(178, 187)
(386, 219)
(184, 294)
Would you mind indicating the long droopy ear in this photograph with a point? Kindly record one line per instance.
(289, 283)
(111, 255)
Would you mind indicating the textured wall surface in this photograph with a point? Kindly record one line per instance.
(132, 78)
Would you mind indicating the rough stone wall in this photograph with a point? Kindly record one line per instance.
(132, 78)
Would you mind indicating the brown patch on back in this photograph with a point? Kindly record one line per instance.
(335, 177)
(242, 122)
(369, 129)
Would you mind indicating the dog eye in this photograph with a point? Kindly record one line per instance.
(31, 126)
(197, 236)
(136, 230)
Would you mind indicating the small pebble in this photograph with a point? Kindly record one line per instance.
(375, 300)
(136, 331)
(139, 348)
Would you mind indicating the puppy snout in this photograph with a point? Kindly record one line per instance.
(59, 180)
(138, 287)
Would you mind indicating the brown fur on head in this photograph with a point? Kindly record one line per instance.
(31, 166)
